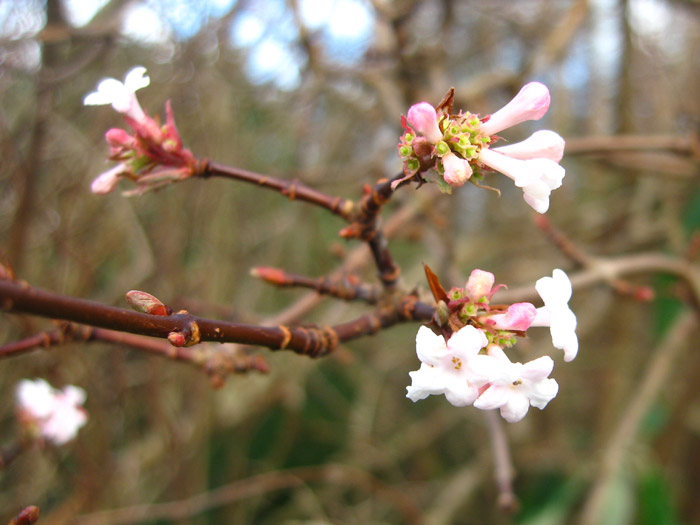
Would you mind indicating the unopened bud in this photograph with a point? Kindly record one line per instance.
(479, 284)
(442, 313)
(146, 303)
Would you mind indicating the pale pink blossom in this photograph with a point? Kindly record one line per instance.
(531, 103)
(514, 387)
(457, 170)
(537, 177)
(542, 144)
(444, 365)
(55, 415)
(479, 284)
(108, 180)
(556, 291)
(423, 118)
(121, 95)
(519, 316)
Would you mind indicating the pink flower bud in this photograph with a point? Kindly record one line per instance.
(519, 316)
(543, 144)
(457, 170)
(119, 138)
(108, 180)
(423, 118)
(479, 284)
(531, 103)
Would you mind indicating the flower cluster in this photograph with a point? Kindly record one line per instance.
(50, 414)
(470, 366)
(151, 155)
(453, 149)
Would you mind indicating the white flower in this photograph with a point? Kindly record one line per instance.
(514, 387)
(542, 144)
(57, 414)
(555, 291)
(444, 367)
(537, 177)
(121, 95)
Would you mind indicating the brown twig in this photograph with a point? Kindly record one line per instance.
(347, 287)
(293, 189)
(503, 465)
(185, 329)
(218, 361)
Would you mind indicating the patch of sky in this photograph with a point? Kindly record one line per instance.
(345, 26)
(606, 38)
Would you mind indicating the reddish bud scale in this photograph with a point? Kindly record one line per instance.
(271, 275)
(177, 339)
(27, 516)
(146, 303)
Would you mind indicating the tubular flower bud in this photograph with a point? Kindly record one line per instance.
(519, 316)
(423, 118)
(457, 170)
(542, 144)
(479, 284)
(531, 103)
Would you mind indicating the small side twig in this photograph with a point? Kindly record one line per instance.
(347, 287)
(293, 189)
(503, 465)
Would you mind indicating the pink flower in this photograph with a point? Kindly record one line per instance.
(537, 177)
(531, 103)
(514, 387)
(479, 284)
(457, 170)
(542, 144)
(108, 180)
(519, 316)
(423, 118)
(56, 415)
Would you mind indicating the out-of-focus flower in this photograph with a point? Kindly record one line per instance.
(555, 291)
(423, 118)
(444, 365)
(514, 387)
(152, 155)
(51, 414)
(121, 95)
